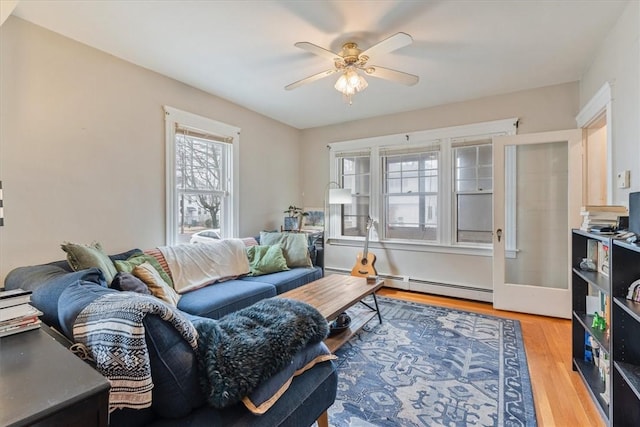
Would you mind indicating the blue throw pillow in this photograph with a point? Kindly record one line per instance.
(74, 299)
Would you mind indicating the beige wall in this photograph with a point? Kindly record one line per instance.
(82, 149)
(543, 109)
(618, 62)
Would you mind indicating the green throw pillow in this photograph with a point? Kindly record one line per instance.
(294, 247)
(135, 260)
(265, 260)
(81, 257)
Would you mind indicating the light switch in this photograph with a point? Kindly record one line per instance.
(623, 179)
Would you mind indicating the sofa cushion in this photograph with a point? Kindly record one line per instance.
(294, 246)
(287, 280)
(267, 394)
(47, 283)
(74, 299)
(226, 297)
(81, 257)
(266, 259)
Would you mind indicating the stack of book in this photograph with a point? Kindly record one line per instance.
(16, 314)
(603, 218)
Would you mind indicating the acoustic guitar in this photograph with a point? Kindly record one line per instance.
(365, 260)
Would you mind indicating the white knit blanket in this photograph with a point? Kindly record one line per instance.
(195, 266)
(110, 332)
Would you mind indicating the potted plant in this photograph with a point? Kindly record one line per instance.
(297, 215)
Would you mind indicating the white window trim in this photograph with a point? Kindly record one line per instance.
(175, 116)
(442, 136)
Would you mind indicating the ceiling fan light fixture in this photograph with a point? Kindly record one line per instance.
(350, 82)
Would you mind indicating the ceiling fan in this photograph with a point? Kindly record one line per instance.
(351, 59)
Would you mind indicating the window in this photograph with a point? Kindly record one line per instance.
(200, 181)
(473, 193)
(410, 195)
(355, 173)
(431, 187)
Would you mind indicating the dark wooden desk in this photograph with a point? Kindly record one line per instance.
(44, 384)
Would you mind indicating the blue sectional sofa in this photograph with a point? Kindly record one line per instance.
(61, 293)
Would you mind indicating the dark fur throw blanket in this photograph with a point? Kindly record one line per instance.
(242, 349)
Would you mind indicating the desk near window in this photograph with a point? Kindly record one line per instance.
(43, 383)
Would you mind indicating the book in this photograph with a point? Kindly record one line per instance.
(603, 258)
(605, 208)
(18, 329)
(20, 321)
(14, 297)
(13, 293)
(18, 311)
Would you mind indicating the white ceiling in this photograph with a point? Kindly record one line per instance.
(243, 51)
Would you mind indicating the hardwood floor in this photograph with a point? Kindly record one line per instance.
(561, 400)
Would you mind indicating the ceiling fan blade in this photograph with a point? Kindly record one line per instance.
(393, 75)
(389, 44)
(310, 79)
(317, 50)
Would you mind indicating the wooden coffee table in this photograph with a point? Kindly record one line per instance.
(334, 294)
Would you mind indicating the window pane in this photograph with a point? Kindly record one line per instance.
(354, 217)
(465, 157)
(430, 184)
(198, 164)
(474, 218)
(485, 154)
(466, 173)
(464, 185)
(196, 212)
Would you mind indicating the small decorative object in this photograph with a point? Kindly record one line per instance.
(587, 264)
(598, 322)
(372, 280)
(295, 219)
(339, 325)
(634, 291)
(603, 258)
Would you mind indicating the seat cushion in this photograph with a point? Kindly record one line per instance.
(214, 301)
(287, 280)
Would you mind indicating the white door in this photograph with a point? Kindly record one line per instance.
(537, 197)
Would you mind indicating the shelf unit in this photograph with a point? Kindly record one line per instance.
(625, 335)
(586, 283)
(622, 343)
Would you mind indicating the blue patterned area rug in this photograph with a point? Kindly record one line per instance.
(433, 366)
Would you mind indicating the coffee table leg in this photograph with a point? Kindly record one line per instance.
(377, 309)
(375, 300)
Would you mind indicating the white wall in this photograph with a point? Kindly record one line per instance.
(82, 149)
(618, 62)
(543, 109)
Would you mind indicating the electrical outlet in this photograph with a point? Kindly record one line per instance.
(623, 179)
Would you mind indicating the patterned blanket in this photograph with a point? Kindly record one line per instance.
(110, 332)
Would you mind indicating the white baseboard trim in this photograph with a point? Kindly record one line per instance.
(428, 287)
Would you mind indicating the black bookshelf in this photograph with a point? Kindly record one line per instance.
(620, 404)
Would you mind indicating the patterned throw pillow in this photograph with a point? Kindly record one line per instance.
(137, 259)
(81, 257)
(156, 284)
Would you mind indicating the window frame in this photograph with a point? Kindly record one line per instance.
(445, 138)
(173, 117)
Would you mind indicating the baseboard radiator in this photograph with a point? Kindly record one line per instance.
(426, 286)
